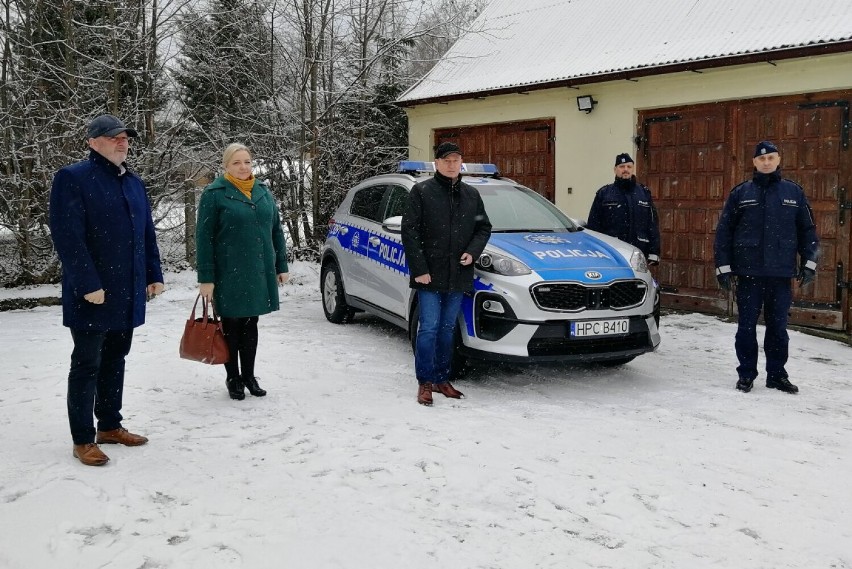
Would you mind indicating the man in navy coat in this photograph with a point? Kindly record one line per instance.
(103, 233)
(765, 224)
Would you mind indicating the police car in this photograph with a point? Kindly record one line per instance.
(546, 289)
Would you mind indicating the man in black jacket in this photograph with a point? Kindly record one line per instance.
(444, 230)
(625, 210)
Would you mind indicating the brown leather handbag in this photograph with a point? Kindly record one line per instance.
(203, 339)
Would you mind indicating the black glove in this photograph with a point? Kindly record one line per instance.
(806, 276)
(724, 280)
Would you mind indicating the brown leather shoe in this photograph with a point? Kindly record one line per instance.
(447, 389)
(424, 394)
(120, 436)
(90, 455)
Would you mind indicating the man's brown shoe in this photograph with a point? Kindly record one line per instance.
(120, 436)
(424, 394)
(447, 389)
(90, 455)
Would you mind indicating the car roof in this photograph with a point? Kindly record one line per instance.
(414, 172)
(409, 180)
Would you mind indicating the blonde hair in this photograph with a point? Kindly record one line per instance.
(232, 149)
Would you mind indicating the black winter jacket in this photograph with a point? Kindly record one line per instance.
(443, 220)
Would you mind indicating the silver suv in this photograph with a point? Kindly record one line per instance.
(546, 289)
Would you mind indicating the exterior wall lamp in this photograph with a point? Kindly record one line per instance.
(586, 103)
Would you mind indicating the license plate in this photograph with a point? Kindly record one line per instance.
(600, 328)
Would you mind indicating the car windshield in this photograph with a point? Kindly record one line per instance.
(517, 208)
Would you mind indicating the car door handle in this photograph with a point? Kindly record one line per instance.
(374, 241)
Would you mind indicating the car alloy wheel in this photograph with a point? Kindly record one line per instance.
(333, 297)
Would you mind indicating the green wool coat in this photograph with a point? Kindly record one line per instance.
(240, 248)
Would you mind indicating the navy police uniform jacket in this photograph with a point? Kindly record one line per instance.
(625, 210)
(443, 220)
(765, 223)
(100, 222)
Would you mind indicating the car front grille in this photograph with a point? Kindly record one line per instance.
(573, 297)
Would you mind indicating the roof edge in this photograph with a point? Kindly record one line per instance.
(695, 65)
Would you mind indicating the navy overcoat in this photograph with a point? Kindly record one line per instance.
(100, 222)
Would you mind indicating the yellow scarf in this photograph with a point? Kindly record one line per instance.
(244, 186)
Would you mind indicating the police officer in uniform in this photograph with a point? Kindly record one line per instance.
(765, 223)
(625, 210)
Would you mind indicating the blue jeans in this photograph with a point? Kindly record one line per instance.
(96, 381)
(773, 296)
(433, 352)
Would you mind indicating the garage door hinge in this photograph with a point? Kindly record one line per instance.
(643, 138)
(841, 284)
(842, 205)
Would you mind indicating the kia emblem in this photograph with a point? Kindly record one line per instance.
(593, 275)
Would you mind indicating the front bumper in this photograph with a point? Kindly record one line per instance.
(550, 341)
(522, 332)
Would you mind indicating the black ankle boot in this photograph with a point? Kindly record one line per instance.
(253, 387)
(235, 388)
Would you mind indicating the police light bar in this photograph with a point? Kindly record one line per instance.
(414, 166)
(472, 169)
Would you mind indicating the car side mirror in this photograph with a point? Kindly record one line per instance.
(393, 224)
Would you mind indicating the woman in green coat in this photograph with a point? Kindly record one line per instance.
(242, 259)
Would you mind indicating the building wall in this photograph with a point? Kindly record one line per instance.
(586, 144)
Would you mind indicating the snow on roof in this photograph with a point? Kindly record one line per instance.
(514, 44)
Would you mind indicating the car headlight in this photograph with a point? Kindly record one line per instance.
(501, 264)
(638, 262)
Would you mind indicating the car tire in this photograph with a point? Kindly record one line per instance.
(459, 363)
(333, 295)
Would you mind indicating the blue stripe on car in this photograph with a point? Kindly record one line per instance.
(356, 240)
(467, 314)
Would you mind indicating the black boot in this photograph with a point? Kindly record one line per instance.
(235, 388)
(782, 384)
(253, 387)
(744, 384)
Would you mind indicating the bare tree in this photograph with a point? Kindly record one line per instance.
(308, 84)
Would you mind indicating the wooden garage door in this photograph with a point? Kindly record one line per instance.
(693, 156)
(685, 162)
(522, 151)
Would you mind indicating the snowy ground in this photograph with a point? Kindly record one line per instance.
(658, 464)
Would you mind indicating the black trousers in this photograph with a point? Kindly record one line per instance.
(96, 381)
(773, 296)
(241, 336)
